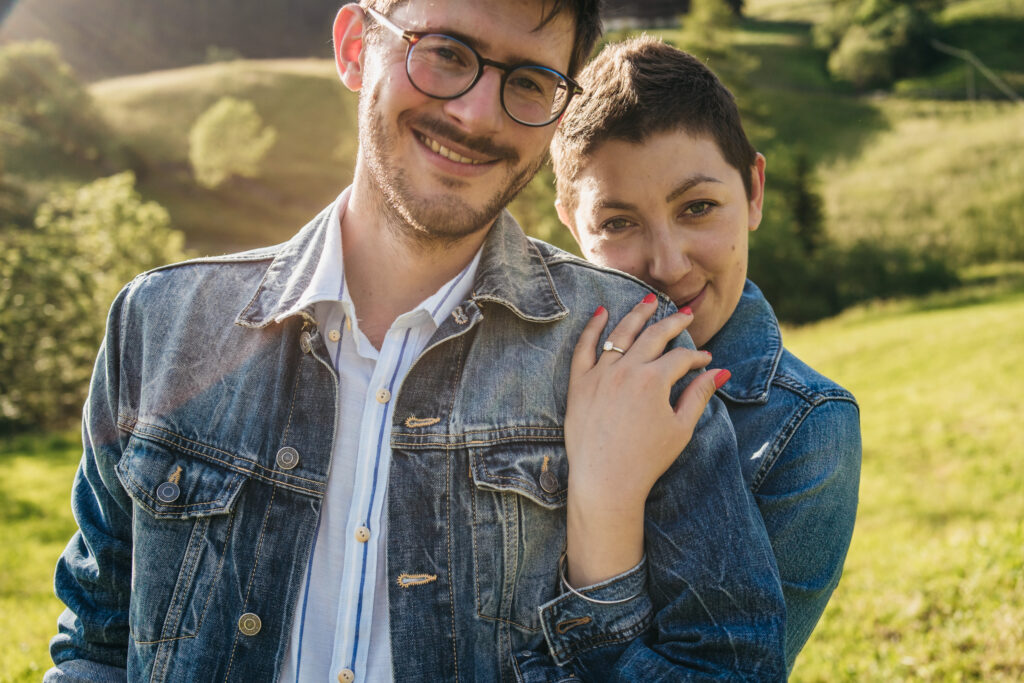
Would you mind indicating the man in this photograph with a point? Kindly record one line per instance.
(342, 458)
(656, 177)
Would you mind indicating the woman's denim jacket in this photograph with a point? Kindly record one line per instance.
(208, 432)
(799, 443)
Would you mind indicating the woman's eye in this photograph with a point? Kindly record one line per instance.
(698, 209)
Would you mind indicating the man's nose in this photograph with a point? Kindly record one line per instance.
(479, 110)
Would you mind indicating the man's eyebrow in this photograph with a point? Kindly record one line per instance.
(603, 204)
(688, 184)
(483, 46)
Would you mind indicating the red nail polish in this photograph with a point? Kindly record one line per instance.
(599, 311)
(686, 310)
(708, 353)
(721, 377)
(650, 298)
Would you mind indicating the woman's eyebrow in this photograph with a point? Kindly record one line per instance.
(689, 183)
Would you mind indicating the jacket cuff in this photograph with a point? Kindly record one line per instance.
(85, 671)
(573, 625)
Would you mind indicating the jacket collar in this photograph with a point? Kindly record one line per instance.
(512, 272)
(750, 346)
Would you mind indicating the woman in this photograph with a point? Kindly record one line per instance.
(656, 177)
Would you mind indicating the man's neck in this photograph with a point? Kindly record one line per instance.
(388, 271)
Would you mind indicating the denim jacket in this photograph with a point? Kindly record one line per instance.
(208, 431)
(799, 444)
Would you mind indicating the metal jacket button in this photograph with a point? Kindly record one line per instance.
(167, 492)
(548, 482)
(249, 624)
(287, 458)
(306, 342)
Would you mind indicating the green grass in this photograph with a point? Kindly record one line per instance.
(937, 175)
(933, 588)
(35, 525)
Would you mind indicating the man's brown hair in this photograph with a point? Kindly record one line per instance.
(640, 87)
(585, 12)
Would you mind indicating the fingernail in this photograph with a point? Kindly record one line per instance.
(705, 351)
(686, 310)
(650, 298)
(721, 377)
(599, 311)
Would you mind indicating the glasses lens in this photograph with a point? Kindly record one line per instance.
(441, 66)
(535, 95)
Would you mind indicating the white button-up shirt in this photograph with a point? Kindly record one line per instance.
(341, 622)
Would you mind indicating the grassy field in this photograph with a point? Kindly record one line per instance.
(934, 584)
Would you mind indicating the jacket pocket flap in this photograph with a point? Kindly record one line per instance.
(172, 484)
(538, 471)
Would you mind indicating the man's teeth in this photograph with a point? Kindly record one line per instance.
(447, 153)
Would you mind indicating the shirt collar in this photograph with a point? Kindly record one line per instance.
(509, 269)
(750, 346)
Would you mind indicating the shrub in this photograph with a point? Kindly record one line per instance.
(228, 139)
(56, 281)
(44, 107)
(861, 59)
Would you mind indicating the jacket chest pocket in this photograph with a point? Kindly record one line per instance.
(518, 499)
(181, 526)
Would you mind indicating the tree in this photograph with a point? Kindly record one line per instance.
(228, 139)
(57, 279)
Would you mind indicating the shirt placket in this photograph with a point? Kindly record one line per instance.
(365, 530)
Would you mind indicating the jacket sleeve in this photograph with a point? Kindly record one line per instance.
(93, 575)
(710, 602)
(809, 502)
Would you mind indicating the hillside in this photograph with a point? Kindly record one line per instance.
(310, 163)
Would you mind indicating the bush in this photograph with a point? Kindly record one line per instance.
(861, 59)
(56, 281)
(228, 139)
(43, 107)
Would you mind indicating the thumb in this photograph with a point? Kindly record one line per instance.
(695, 397)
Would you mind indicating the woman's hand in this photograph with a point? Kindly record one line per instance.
(622, 433)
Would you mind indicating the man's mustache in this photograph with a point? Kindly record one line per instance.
(481, 145)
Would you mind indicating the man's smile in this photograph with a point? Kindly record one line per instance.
(449, 153)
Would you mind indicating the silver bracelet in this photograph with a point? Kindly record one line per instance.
(581, 596)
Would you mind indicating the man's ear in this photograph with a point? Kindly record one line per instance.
(348, 45)
(566, 218)
(755, 210)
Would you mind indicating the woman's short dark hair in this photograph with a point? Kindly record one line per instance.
(636, 89)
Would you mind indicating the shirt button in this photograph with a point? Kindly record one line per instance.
(334, 335)
(167, 492)
(346, 676)
(548, 482)
(362, 534)
(287, 458)
(249, 624)
(383, 396)
(306, 342)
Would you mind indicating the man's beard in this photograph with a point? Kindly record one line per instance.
(441, 219)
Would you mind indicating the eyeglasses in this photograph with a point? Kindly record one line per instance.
(444, 67)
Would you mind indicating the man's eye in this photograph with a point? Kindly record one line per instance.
(617, 225)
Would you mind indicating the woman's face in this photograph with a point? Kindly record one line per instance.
(672, 212)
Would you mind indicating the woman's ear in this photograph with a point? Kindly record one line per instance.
(755, 212)
(348, 45)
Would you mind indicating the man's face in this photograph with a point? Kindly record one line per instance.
(448, 167)
(672, 212)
